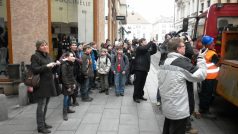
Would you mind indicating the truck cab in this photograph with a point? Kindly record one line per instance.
(221, 22)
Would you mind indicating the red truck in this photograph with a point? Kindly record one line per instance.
(221, 22)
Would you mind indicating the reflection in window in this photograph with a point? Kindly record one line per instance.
(3, 38)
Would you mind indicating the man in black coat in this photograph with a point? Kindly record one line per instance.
(142, 67)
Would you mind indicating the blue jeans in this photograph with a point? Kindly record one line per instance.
(66, 101)
(120, 80)
(84, 88)
(41, 110)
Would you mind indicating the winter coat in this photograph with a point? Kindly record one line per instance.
(103, 65)
(46, 88)
(142, 59)
(87, 67)
(172, 77)
(124, 63)
(68, 78)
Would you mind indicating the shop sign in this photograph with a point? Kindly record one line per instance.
(120, 17)
(79, 2)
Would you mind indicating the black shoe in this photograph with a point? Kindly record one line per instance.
(101, 91)
(75, 104)
(89, 99)
(117, 95)
(143, 98)
(136, 100)
(70, 111)
(44, 131)
(47, 126)
(122, 94)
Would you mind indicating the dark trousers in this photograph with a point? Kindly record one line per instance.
(139, 83)
(41, 110)
(158, 97)
(174, 126)
(206, 95)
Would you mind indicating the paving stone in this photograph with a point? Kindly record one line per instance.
(109, 125)
(87, 129)
(71, 124)
(106, 132)
(95, 108)
(128, 119)
(129, 110)
(128, 129)
(92, 118)
(148, 125)
(64, 132)
(111, 114)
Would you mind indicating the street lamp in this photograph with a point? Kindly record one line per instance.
(85, 30)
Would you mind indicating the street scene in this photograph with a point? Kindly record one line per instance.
(119, 66)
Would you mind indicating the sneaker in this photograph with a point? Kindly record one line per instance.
(192, 131)
(158, 103)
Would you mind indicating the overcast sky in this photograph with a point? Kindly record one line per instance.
(151, 9)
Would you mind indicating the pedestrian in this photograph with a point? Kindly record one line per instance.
(94, 57)
(87, 71)
(76, 71)
(142, 67)
(207, 94)
(172, 77)
(103, 68)
(69, 84)
(41, 63)
(120, 65)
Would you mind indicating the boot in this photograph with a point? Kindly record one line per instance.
(70, 111)
(106, 92)
(65, 114)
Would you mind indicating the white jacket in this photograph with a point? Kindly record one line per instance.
(172, 84)
(103, 65)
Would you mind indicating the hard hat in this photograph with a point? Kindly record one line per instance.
(207, 40)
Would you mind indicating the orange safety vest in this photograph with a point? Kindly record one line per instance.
(212, 69)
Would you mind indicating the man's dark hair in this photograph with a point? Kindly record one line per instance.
(141, 40)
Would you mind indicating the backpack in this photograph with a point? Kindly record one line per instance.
(30, 79)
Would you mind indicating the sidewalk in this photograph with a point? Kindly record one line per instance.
(104, 115)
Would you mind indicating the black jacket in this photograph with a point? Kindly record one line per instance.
(142, 59)
(39, 60)
(68, 79)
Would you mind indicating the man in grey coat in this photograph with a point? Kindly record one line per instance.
(172, 77)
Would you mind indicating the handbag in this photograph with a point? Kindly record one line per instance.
(31, 79)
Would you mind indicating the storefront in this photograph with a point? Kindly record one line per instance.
(23, 22)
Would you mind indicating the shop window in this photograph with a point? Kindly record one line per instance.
(72, 21)
(4, 57)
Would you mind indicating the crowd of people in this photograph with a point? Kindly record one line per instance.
(84, 67)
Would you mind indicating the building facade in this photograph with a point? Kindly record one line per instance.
(192, 8)
(161, 27)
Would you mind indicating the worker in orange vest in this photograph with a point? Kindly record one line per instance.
(206, 94)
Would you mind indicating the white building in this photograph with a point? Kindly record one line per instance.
(161, 27)
(138, 27)
(192, 8)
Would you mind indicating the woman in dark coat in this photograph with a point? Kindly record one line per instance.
(68, 82)
(41, 63)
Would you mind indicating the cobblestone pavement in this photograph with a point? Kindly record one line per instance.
(114, 115)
